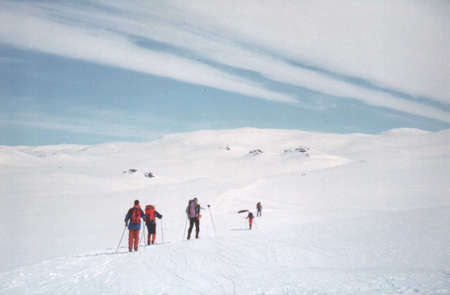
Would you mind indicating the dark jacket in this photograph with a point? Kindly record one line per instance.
(131, 225)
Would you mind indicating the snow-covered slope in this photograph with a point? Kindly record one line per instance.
(342, 214)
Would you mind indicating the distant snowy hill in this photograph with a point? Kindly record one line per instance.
(350, 213)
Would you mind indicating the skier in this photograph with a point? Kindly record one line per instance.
(150, 221)
(259, 208)
(134, 215)
(193, 212)
(250, 219)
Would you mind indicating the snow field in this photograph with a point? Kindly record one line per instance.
(360, 215)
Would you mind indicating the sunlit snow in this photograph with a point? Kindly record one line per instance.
(356, 213)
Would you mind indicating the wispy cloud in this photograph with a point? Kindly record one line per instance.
(101, 46)
(9, 60)
(402, 45)
(105, 122)
(373, 41)
(95, 126)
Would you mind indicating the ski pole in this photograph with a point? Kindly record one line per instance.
(185, 225)
(121, 239)
(162, 231)
(209, 207)
(142, 237)
(145, 244)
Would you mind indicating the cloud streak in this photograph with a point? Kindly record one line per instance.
(368, 41)
(93, 126)
(101, 46)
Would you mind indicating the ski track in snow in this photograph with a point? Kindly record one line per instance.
(176, 268)
(229, 263)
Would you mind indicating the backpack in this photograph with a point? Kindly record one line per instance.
(191, 210)
(149, 213)
(136, 215)
(258, 206)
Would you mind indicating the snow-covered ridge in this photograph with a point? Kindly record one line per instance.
(203, 150)
(405, 132)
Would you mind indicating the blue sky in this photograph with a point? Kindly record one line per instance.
(102, 71)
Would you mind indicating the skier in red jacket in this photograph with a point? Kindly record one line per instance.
(134, 215)
(250, 219)
(150, 221)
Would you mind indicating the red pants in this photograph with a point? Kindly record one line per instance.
(250, 221)
(133, 238)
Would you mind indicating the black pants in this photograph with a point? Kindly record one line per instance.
(151, 227)
(258, 213)
(193, 221)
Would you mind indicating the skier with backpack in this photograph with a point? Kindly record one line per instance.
(150, 221)
(250, 219)
(134, 215)
(259, 208)
(193, 213)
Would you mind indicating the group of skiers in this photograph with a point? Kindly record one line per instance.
(133, 221)
(135, 214)
(250, 214)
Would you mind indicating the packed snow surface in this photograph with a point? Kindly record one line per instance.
(342, 214)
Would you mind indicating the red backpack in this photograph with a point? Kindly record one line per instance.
(149, 213)
(136, 215)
